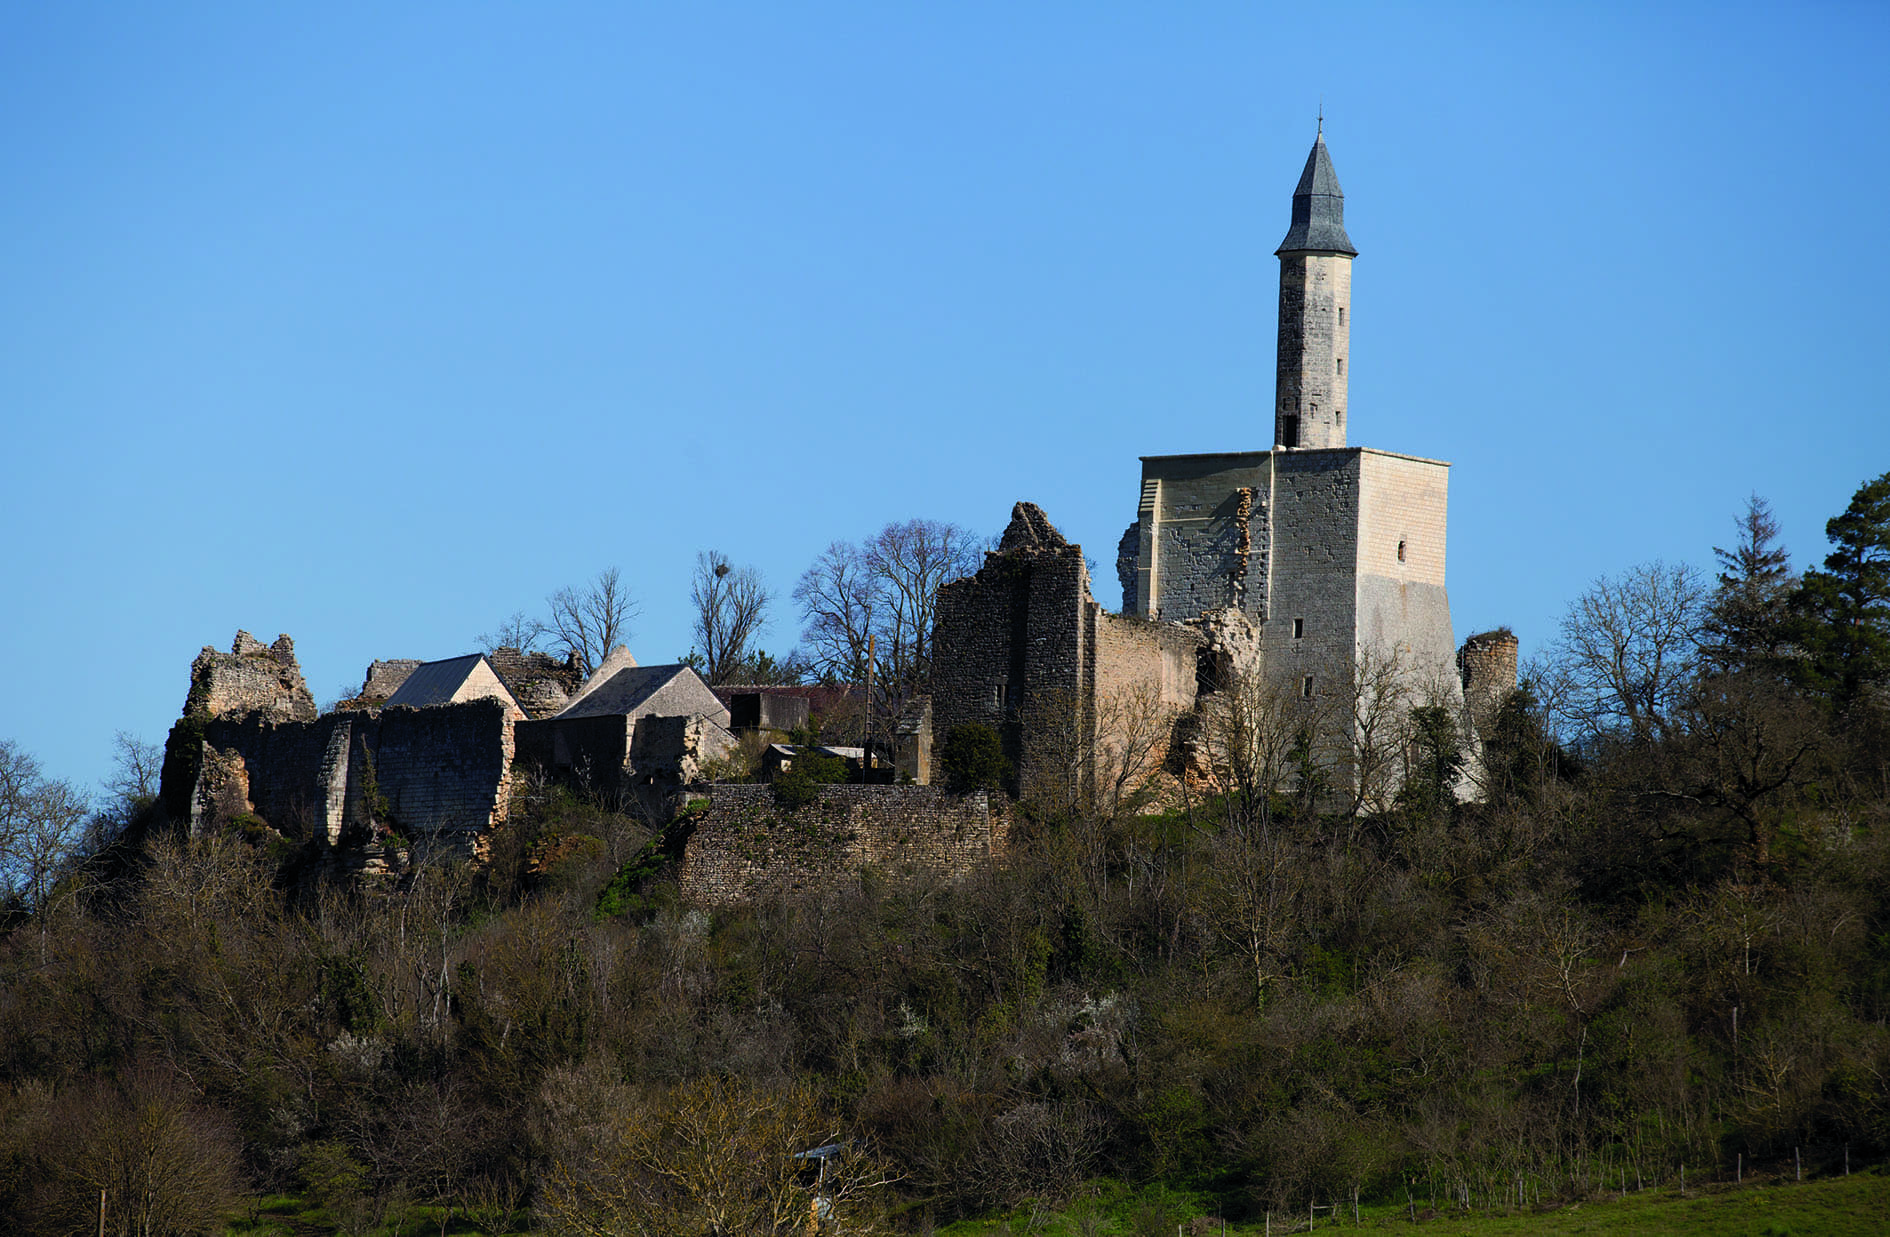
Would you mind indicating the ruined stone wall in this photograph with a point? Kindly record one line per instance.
(912, 742)
(1010, 649)
(252, 677)
(1202, 535)
(676, 750)
(592, 751)
(978, 646)
(743, 846)
(541, 684)
(446, 770)
(384, 678)
(294, 775)
(1134, 655)
(1056, 703)
(1144, 675)
(442, 772)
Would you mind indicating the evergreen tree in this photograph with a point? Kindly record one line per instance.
(1841, 615)
(1747, 615)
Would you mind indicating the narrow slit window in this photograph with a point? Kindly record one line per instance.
(1401, 551)
(1305, 687)
(1299, 628)
(1341, 315)
(1341, 364)
(997, 695)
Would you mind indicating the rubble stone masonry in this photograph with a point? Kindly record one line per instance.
(440, 774)
(252, 677)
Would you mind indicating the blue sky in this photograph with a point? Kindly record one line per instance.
(376, 323)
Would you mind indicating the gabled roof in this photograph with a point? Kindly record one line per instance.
(452, 681)
(666, 691)
(1318, 208)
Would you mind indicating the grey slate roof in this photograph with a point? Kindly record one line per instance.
(667, 691)
(434, 682)
(1318, 208)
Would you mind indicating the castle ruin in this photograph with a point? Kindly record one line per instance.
(1312, 568)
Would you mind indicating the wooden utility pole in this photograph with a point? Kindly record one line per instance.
(866, 719)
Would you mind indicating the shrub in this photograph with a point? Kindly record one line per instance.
(799, 784)
(973, 759)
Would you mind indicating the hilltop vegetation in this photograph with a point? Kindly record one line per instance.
(1661, 938)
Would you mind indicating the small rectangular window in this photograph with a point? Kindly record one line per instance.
(997, 695)
(1305, 687)
(1289, 431)
(1341, 315)
(1299, 628)
(1341, 363)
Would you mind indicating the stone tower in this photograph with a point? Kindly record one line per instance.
(1335, 553)
(1315, 304)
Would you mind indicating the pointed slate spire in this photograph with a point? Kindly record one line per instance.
(1318, 207)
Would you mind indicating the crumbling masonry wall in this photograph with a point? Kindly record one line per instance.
(1487, 663)
(1023, 647)
(252, 677)
(442, 774)
(744, 846)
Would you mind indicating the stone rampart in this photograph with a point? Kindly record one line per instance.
(446, 770)
(441, 774)
(745, 846)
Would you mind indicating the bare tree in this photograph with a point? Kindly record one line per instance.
(41, 822)
(836, 597)
(731, 607)
(137, 765)
(911, 560)
(717, 1156)
(592, 620)
(1629, 650)
(1259, 736)
(885, 589)
(1381, 700)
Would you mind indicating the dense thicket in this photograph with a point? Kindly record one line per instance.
(1663, 937)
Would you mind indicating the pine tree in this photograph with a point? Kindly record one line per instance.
(1749, 610)
(1841, 615)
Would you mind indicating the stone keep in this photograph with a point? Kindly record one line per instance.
(1336, 552)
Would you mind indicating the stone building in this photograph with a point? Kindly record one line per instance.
(1023, 647)
(539, 684)
(1305, 570)
(454, 681)
(1335, 552)
(631, 726)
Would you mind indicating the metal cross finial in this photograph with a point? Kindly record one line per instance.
(1322, 117)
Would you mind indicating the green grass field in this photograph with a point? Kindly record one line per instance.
(1854, 1206)
(1840, 1206)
